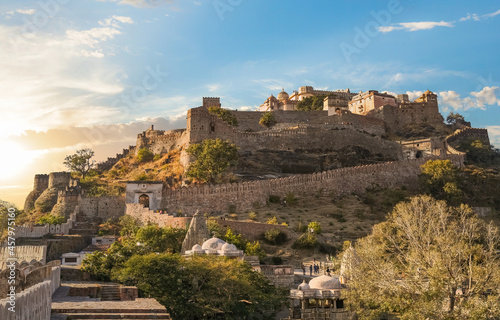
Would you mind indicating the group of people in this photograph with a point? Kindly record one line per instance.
(314, 267)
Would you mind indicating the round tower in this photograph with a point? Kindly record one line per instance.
(41, 182)
(59, 180)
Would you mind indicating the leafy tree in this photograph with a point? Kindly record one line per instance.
(268, 119)
(144, 155)
(224, 115)
(306, 241)
(477, 151)
(161, 239)
(80, 161)
(311, 103)
(275, 236)
(454, 118)
(236, 239)
(427, 261)
(440, 178)
(255, 249)
(213, 158)
(205, 287)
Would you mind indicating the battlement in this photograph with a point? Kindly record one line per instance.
(41, 182)
(466, 133)
(110, 162)
(70, 192)
(211, 102)
(59, 180)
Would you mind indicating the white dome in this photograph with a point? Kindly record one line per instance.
(304, 286)
(196, 248)
(325, 283)
(229, 247)
(213, 244)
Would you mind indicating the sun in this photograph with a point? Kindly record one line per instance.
(14, 159)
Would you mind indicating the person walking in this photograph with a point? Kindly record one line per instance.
(310, 270)
(328, 271)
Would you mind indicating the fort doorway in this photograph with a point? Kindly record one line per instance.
(144, 200)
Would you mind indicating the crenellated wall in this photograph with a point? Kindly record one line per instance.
(246, 195)
(110, 162)
(23, 253)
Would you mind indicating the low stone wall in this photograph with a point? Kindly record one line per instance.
(248, 195)
(103, 208)
(128, 293)
(29, 231)
(23, 253)
(280, 276)
(251, 230)
(33, 303)
(145, 216)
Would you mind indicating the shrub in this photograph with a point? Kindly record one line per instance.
(51, 219)
(254, 249)
(315, 227)
(144, 155)
(142, 177)
(290, 199)
(272, 220)
(275, 236)
(268, 119)
(231, 208)
(274, 199)
(252, 216)
(157, 157)
(339, 216)
(307, 240)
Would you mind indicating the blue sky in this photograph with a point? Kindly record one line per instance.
(95, 73)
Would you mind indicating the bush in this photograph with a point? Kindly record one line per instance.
(142, 177)
(254, 249)
(315, 227)
(290, 199)
(272, 220)
(157, 157)
(144, 155)
(339, 216)
(274, 199)
(268, 119)
(252, 216)
(305, 241)
(51, 219)
(275, 236)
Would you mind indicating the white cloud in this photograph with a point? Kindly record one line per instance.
(486, 97)
(477, 17)
(26, 11)
(494, 133)
(113, 21)
(197, 3)
(415, 26)
(412, 95)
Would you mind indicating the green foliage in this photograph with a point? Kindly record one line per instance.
(418, 259)
(128, 226)
(215, 228)
(236, 239)
(224, 115)
(157, 157)
(478, 152)
(205, 287)
(290, 199)
(255, 249)
(51, 219)
(20, 217)
(252, 216)
(306, 241)
(439, 178)
(96, 265)
(80, 161)
(158, 239)
(268, 119)
(315, 227)
(212, 159)
(311, 103)
(95, 187)
(274, 199)
(454, 118)
(275, 236)
(144, 155)
(143, 177)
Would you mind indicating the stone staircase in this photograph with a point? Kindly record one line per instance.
(110, 293)
(108, 314)
(83, 227)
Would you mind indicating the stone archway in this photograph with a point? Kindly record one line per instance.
(144, 200)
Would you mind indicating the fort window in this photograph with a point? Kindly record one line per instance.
(212, 127)
(70, 260)
(144, 200)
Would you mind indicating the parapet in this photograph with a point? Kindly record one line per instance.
(59, 179)
(211, 102)
(41, 182)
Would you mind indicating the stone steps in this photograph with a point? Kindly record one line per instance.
(110, 293)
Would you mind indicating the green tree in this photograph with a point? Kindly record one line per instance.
(161, 239)
(80, 161)
(311, 103)
(224, 115)
(440, 178)
(268, 119)
(144, 155)
(477, 151)
(212, 159)
(427, 261)
(205, 287)
(51, 219)
(454, 118)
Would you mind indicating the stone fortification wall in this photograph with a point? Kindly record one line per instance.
(251, 230)
(468, 133)
(67, 201)
(247, 195)
(33, 303)
(396, 118)
(40, 184)
(30, 231)
(161, 142)
(23, 253)
(110, 162)
(145, 216)
(280, 276)
(103, 208)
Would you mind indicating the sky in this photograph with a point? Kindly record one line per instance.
(95, 73)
